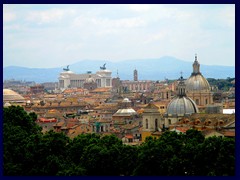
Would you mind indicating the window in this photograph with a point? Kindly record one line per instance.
(197, 101)
(146, 123)
(169, 121)
(206, 101)
(108, 82)
(156, 124)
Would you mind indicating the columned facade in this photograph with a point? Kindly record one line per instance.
(68, 79)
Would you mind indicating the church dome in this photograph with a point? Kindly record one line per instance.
(125, 112)
(196, 82)
(7, 104)
(12, 96)
(126, 100)
(182, 105)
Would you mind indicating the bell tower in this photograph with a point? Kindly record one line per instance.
(135, 75)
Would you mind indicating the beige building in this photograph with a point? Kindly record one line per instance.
(152, 120)
(136, 85)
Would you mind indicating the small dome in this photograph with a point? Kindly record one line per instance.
(124, 112)
(7, 104)
(126, 100)
(197, 83)
(182, 105)
(12, 96)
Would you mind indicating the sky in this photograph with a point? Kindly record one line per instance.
(51, 35)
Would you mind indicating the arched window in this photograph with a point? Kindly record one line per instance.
(156, 124)
(146, 123)
(169, 121)
(197, 101)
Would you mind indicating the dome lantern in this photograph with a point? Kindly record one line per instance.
(196, 66)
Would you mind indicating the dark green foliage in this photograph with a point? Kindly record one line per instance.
(217, 157)
(29, 152)
(222, 84)
(190, 154)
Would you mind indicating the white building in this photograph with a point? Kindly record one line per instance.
(68, 79)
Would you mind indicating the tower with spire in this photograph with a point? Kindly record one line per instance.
(135, 75)
(181, 88)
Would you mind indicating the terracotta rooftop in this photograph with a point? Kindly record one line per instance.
(229, 133)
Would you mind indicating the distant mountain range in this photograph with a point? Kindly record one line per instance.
(148, 69)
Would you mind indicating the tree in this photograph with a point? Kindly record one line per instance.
(102, 158)
(18, 127)
(216, 157)
(49, 153)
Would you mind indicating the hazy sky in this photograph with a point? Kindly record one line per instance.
(56, 35)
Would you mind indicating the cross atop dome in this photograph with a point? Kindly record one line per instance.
(195, 56)
(181, 74)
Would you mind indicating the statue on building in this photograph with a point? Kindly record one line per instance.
(103, 67)
(66, 69)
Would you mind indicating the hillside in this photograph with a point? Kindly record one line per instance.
(148, 69)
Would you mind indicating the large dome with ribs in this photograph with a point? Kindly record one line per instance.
(12, 96)
(182, 105)
(196, 82)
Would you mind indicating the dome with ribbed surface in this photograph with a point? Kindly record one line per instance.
(125, 112)
(182, 105)
(196, 82)
(12, 96)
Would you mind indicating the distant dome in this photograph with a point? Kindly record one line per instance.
(126, 100)
(197, 83)
(7, 104)
(125, 112)
(12, 96)
(182, 105)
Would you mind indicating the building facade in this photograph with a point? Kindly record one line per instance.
(68, 79)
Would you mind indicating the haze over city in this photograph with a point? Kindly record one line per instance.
(46, 36)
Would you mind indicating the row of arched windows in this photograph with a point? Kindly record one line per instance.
(156, 124)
